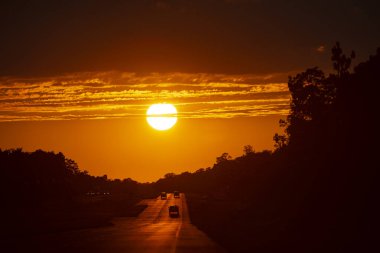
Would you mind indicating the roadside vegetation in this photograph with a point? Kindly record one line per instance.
(44, 192)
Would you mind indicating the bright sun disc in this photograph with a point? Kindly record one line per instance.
(162, 116)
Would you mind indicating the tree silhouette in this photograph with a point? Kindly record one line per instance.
(280, 141)
(223, 158)
(341, 62)
(248, 150)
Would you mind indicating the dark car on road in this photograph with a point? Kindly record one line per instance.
(163, 195)
(174, 211)
(176, 194)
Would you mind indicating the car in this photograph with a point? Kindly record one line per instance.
(176, 194)
(163, 195)
(174, 211)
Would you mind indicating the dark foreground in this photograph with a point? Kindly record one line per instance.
(152, 231)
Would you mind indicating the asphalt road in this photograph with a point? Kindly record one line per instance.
(153, 231)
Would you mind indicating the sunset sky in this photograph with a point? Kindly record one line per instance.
(79, 76)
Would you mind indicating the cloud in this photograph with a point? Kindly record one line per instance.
(99, 95)
(320, 49)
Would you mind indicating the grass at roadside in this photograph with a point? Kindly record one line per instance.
(233, 225)
(70, 215)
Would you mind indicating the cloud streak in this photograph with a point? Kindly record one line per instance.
(102, 95)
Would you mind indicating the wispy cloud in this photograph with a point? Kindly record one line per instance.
(321, 49)
(122, 95)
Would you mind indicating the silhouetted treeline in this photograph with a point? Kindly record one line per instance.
(42, 192)
(39, 176)
(316, 192)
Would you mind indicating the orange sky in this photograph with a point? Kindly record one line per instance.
(98, 119)
(124, 148)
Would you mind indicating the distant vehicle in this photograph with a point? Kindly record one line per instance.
(176, 194)
(93, 194)
(163, 195)
(174, 211)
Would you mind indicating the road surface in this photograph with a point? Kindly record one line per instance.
(152, 231)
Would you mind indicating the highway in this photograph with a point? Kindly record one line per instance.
(152, 231)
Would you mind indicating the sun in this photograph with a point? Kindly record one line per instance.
(162, 116)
